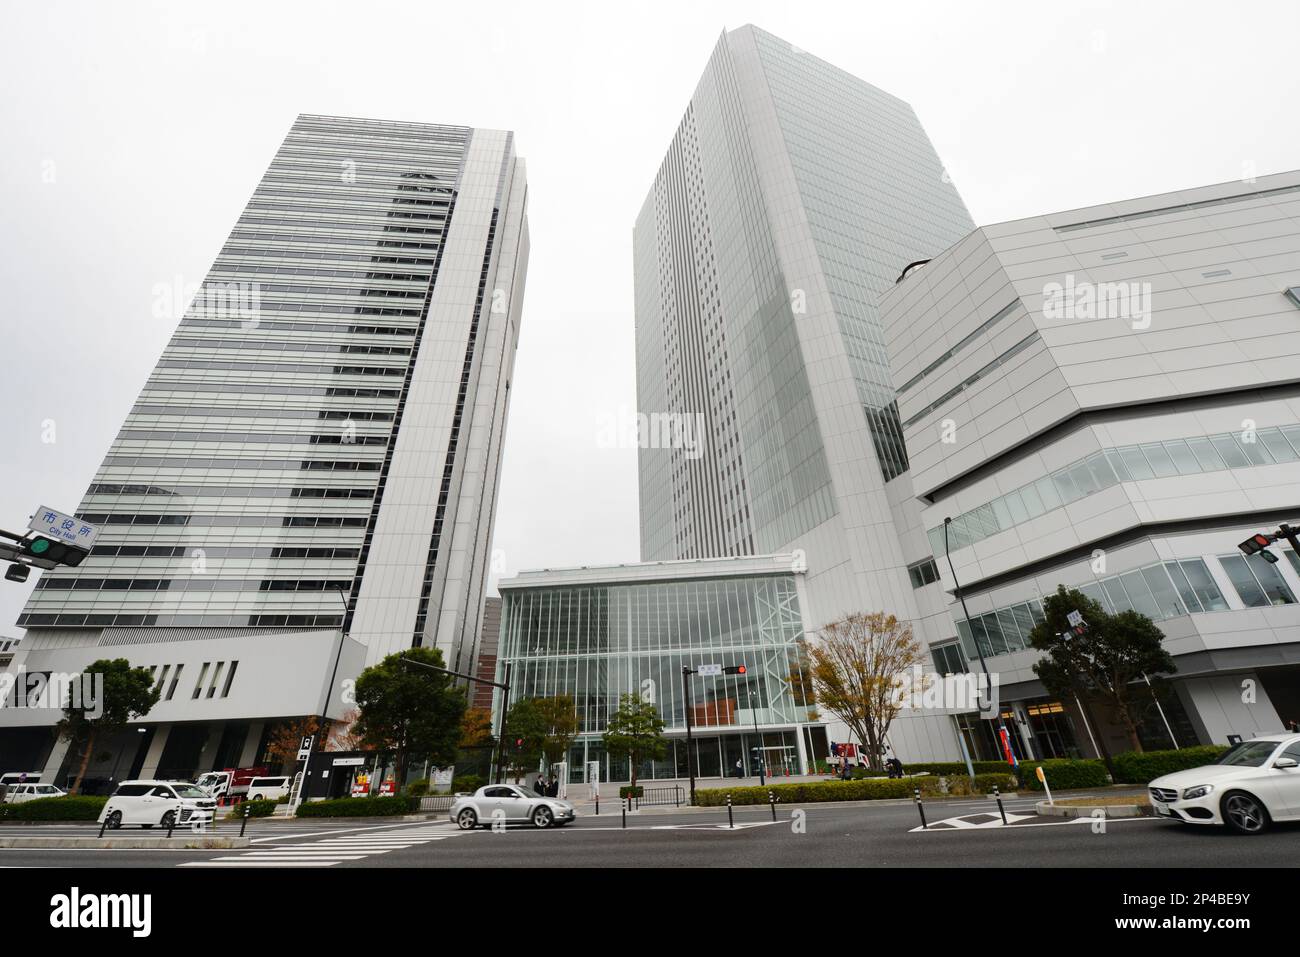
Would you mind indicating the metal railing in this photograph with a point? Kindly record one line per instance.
(661, 797)
(437, 802)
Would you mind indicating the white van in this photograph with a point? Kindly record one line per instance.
(19, 793)
(268, 789)
(164, 803)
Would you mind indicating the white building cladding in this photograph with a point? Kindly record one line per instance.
(791, 197)
(325, 427)
(1109, 398)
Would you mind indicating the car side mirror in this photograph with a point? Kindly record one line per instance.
(1285, 763)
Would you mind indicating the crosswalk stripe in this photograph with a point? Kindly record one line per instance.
(328, 852)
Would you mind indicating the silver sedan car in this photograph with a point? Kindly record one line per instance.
(509, 804)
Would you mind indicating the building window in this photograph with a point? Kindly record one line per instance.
(923, 573)
(1257, 582)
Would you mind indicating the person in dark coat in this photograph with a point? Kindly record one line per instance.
(540, 786)
(553, 788)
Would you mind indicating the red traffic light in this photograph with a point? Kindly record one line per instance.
(734, 670)
(1262, 540)
(1256, 543)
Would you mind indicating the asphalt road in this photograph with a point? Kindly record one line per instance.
(875, 835)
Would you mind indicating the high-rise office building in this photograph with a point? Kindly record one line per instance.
(791, 198)
(308, 479)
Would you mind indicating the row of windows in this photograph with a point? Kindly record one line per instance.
(319, 238)
(205, 462)
(274, 306)
(228, 491)
(290, 345)
(179, 621)
(253, 412)
(351, 194)
(264, 269)
(286, 288)
(102, 550)
(1109, 467)
(191, 584)
(1160, 591)
(225, 521)
(999, 361)
(325, 222)
(265, 438)
(276, 252)
(353, 211)
(329, 392)
(967, 340)
(298, 326)
(276, 367)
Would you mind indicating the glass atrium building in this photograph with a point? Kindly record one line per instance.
(599, 633)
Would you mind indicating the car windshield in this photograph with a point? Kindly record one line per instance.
(189, 791)
(1248, 754)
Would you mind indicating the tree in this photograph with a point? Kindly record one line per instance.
(1112, 653)
(635, 731)
(560, 721)
(121, 695)
(283, 741)
(524, 736)
(855, 665)
(476, 728)
(408, 709)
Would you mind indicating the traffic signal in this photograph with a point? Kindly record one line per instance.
(1256, 543)
(17, 573)
(734, 670)
(47, 549)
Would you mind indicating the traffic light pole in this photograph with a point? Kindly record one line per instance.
(505, 702)
(686, 696)
(988, 680)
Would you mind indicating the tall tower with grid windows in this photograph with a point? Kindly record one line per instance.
(316, 452)
(790, 200)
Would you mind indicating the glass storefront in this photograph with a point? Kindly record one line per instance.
(597, 642)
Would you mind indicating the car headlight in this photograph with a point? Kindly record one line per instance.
(1199, 791)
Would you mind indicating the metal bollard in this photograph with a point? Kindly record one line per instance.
(103, 825)
(623, 805)
(771, 801)
(731, 818)
(997, 796)
(598, 804)
(920, 807)
(172, 826)
(244, 824)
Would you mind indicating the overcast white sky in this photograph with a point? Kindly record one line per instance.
(131, 135)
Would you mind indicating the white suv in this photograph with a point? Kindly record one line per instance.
(164, 803)
(1253, 784)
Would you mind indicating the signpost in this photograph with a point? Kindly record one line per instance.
(1042, 778)
(304, 755)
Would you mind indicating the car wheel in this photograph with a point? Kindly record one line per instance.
(543, 817)
(467, 820)
(1244, 813)
(168, 820)
(114, 821)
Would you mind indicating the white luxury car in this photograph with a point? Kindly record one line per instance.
(511, 804)
(164, 803)
(1253, 784)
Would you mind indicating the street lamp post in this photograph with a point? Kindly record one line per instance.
(988, 680)
(687, 671)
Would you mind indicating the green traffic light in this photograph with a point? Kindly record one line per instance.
(40, 546)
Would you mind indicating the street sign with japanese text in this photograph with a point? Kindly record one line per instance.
(63, 528)
(709, 669)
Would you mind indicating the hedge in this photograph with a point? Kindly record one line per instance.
(954, 768)
(258, 808)
(866, 789)
(360, 807)
(627, 791)
(1063, 773)
(1141, 767)
(71, 808)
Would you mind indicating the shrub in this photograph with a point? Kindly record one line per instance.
(866, 789)
(262, 807)
(960, 784)
(467, 782)
(954, 768)
(70, 808)
(418, 788)
(360, 807)
(627, 791)
(1063, 773)
(1141, 767)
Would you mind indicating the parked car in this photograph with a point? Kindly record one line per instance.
(19, 793)
(268, 789)
(1250, 786)
(164, 803)
(512, 804)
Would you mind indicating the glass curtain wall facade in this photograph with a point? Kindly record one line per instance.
(249, 483)
(597, 642)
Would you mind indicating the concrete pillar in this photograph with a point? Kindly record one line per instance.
(1230, 704)
(209, 754)
(249, 754)
(52, 764)
(151, 760)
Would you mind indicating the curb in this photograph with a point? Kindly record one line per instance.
(1077, 810)
(128, 843)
